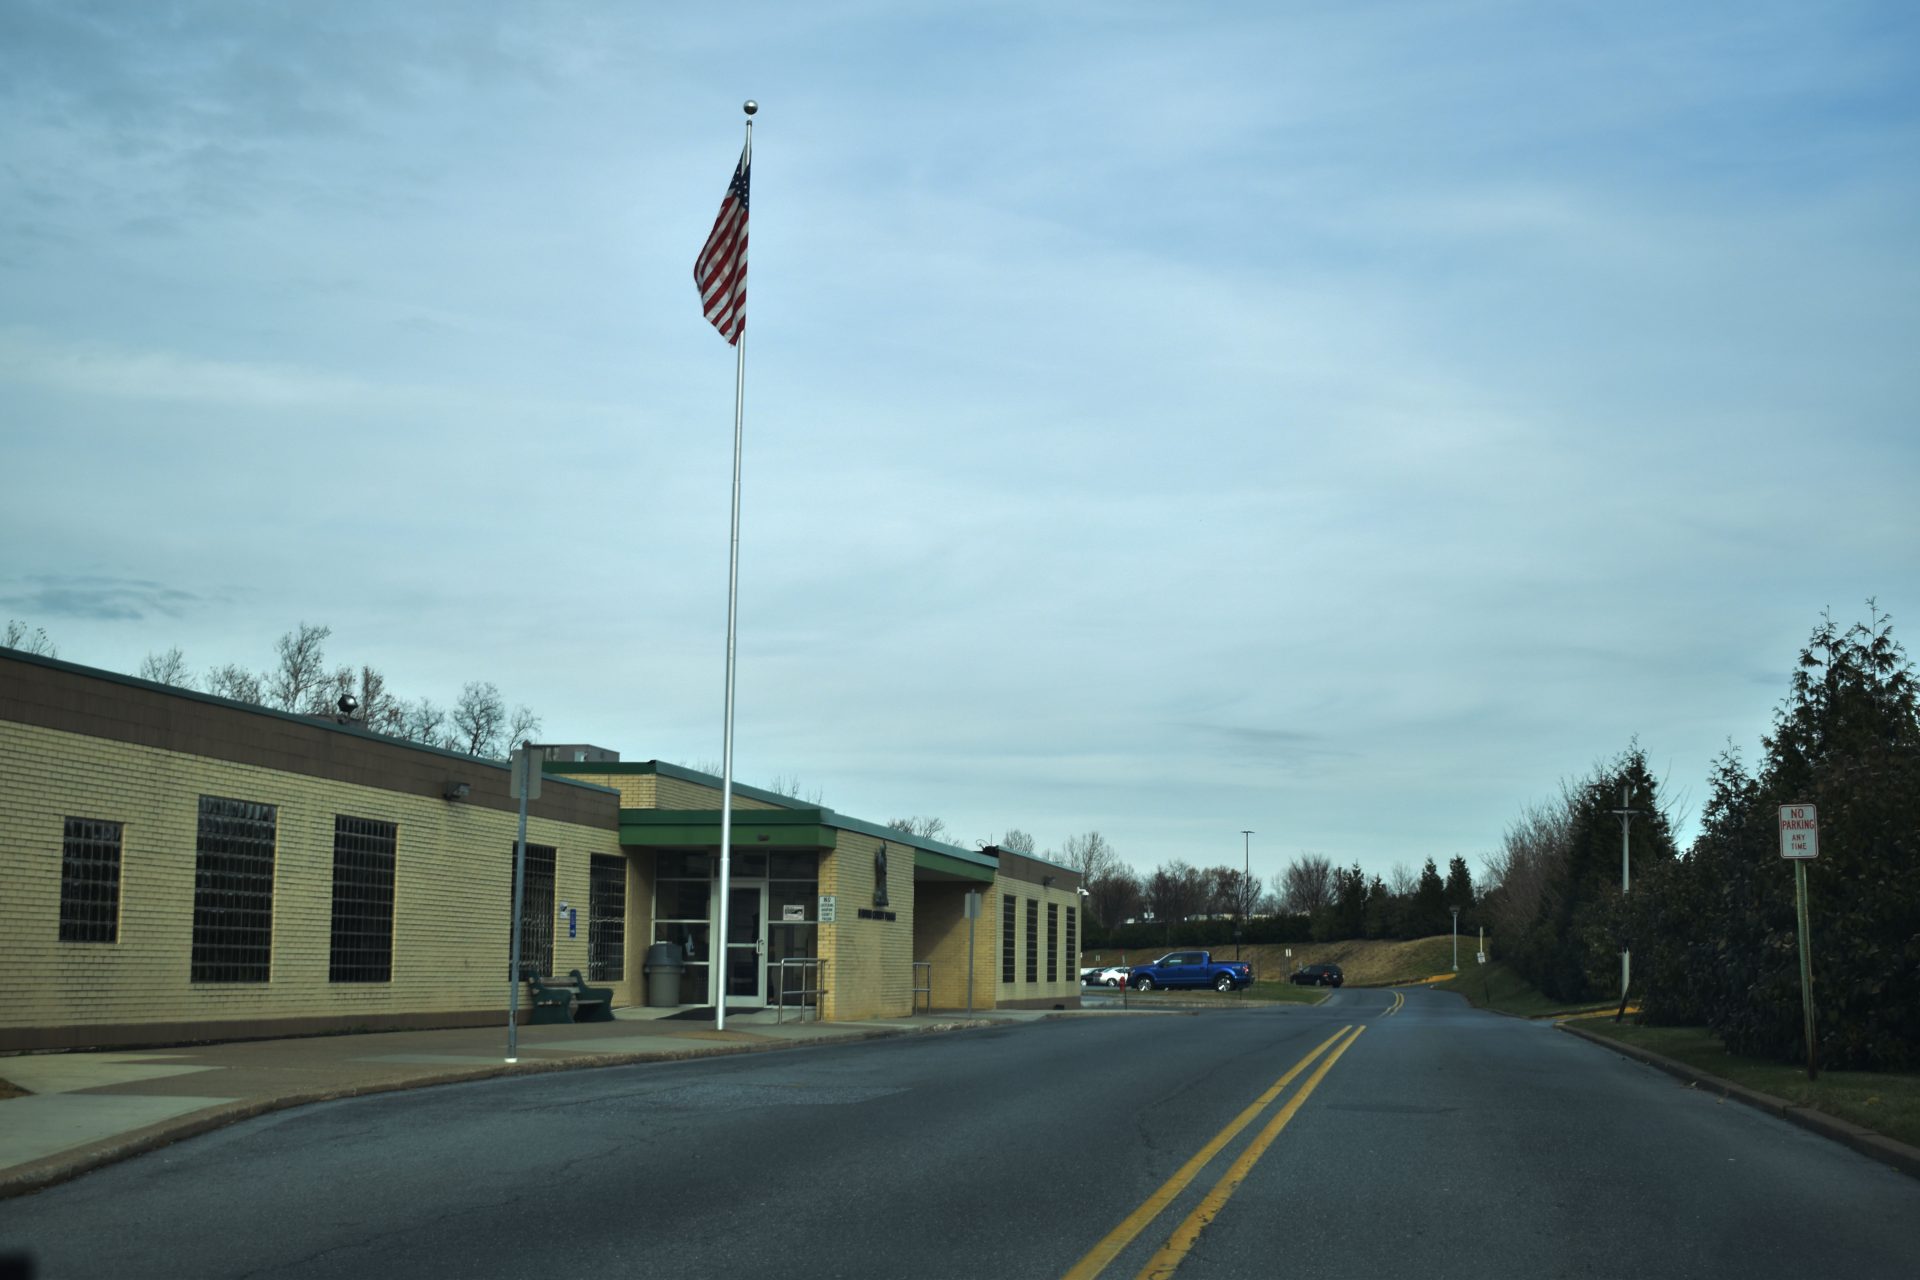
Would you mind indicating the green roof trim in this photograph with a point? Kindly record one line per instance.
(979, 860)
(928, 860)
(697, 828)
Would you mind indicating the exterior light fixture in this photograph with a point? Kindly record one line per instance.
(456, 790)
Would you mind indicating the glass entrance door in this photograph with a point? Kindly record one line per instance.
(746, 961)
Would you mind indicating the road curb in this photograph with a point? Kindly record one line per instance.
(1875, 1146)
(38, 1175)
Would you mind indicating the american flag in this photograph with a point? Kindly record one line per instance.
(720, 271)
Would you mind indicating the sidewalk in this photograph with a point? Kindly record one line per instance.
(87, 1109)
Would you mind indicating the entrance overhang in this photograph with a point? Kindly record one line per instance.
(700, 828)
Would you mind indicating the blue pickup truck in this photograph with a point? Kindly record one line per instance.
(1191, 969)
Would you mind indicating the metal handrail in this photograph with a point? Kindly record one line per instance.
(805, 967)
(926, 990)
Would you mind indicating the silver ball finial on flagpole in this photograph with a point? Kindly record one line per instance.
(750, 107)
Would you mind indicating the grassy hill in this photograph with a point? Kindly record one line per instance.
(1366, 962)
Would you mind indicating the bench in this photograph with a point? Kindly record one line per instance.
(569, 999)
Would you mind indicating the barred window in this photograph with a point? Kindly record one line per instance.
(1009, 916)
(233, 891)
(1073, 941)
(1033, 940)
(90, 881)
(1053, 942)
(536, 910)
(607, 919)
(363, 858)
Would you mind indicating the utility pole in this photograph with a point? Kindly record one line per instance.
(1626, 816)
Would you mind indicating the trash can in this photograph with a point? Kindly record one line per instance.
(665, 964)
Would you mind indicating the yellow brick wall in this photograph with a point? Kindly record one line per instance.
(678, 793)
(869, 962)
(940, 924)
(452, 888)
(636, 790)
(1065, 988)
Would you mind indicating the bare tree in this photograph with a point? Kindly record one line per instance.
(1116, 896)
(788, 785)
(1308, 884)
(925, 828)
(167, 668)
(324, 698)
(17, 636)
(425, 723)
(479, 717)
(1016, 841)
(303, 667)
(1243, 895)
(1091, 856)
(236, 682)
(521, 726)
(1401, 881)
(380, 710)
(1534, 847)
(1175, 891)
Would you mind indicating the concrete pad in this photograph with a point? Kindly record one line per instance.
(43, 1125)
(67, 1072)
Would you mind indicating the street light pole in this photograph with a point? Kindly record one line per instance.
(1246, 885)
(1456, 938)
(1626, 816)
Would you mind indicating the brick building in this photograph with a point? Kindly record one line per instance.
(176, 867)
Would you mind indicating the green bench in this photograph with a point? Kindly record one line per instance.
(569, 999)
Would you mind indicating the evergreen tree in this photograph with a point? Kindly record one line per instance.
(1847, 739)
(1459, 892)
(1429, 914)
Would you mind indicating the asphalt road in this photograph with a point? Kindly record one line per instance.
(1421, 1139)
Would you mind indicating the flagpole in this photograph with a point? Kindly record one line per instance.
(719, 953)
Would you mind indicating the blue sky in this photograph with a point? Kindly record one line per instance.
(1338, 421)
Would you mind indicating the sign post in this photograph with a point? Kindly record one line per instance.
(1800, 844)
(525, 786)
(972, 912)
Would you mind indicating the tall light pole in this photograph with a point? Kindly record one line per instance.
(1626, 816)
(1456, 938)
(1246, 886)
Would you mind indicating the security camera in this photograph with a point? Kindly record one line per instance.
(1082, 891)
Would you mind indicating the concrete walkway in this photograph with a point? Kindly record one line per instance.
(87, 1109)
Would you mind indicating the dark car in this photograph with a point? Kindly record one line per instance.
(1317, 975)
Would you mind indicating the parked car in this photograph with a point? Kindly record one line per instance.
(1114, 975)
(1317, 975)
(1191, 969)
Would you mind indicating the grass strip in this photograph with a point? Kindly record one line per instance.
(1497, 987)
(1885, 1102)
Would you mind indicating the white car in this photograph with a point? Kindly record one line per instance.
(1112, 975)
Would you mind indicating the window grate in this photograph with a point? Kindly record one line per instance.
(233, 891)
(1053, 942)
(90, 881)
(363, 864)
(1033, 940)
(1073, 941)
(536, 910)
(607, 919)
(1009, 916)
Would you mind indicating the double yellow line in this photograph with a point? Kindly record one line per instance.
(1164, 1263)
(1399, 1003)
